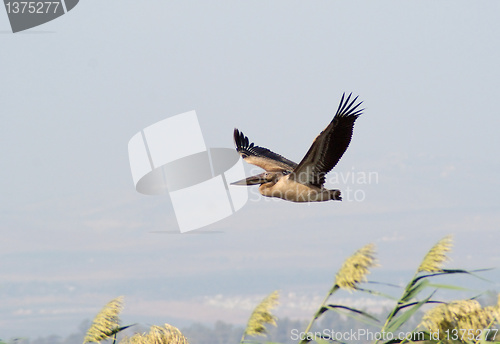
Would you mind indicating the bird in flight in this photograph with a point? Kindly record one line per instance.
(303, 182)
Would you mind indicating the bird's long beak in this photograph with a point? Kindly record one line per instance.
(254, 180)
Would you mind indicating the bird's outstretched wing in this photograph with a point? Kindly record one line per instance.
(260, 156)
(329, 145)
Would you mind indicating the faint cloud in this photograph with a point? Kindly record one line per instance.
(392, 238)
(447, 170)
(22, 312)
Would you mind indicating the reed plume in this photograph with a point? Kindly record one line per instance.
(167, 334)
(437, 256)
(106, 323)
(356, 267)
(262, 316)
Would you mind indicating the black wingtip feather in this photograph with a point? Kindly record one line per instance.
(347, 108)
(236, 135)
(242, 142)
(341, 102)
(239, 140)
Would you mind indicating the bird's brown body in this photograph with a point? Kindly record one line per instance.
(302, 182)
(291, 190)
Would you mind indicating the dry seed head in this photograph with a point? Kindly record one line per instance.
(135, 339)
(106, 322)
(437, 319)
(158, 335)
(464, 314)
(494, 312)
(356, 267)
(262, 316)
(436, 257)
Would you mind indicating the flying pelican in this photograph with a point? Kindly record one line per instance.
(302, 182)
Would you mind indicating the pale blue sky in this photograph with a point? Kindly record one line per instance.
(74, 91)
